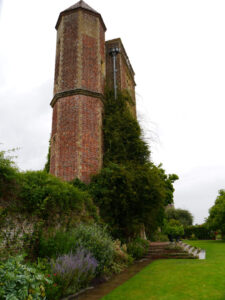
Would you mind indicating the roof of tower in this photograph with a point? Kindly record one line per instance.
(80, 5)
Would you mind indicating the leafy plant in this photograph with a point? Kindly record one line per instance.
(158, 237)
(43, 194)
(20, 282)
(182, 215)
(199, 232)
(216, 219)
(91, 237)
(8, 173)
(123, 142)
(130, 190)
(174, 229)
(138, 248)
(130, 196)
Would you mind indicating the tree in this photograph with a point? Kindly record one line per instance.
(181, 215)
(130, 190)
(130, 197)
(216, 219)
(174, 229)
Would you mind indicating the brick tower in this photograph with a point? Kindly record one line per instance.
(76, 139)
(125, 72)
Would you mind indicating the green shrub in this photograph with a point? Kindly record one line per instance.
(44, 194)
(130, 196)
(182, 215)
(199, 232)
(138, 248)
(20, 282)
(8, 174)
(159, 237)
(173, 228)
(59, 243)
(91, 237)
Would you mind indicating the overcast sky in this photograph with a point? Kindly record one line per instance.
(177, 49)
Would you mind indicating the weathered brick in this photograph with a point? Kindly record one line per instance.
(82, 68)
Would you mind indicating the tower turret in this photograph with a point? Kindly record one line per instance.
(76, 139)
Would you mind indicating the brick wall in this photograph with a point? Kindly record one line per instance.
(82, 67)
(125, 73)
(76, 145)
(76, 141)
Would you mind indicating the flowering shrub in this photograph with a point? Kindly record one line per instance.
(91, 237)
(19, 281)
(74, 271)
(97, 240)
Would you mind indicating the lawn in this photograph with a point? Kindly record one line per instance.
(179, 279)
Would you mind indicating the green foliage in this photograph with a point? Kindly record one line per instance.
(130, 190)
(216, 219)
(169, 181)
(47, 165)
(44, 194)
(199, 232)
(123, 141)
(79, 184)
(129, 197)
(158, 236)
(20, 282)
(8, 174)
(91, 237)
(138, 248)
(173, 228)
(97, 240)
(181, 215)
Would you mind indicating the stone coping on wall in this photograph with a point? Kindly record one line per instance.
(76, 92)
(197, 252)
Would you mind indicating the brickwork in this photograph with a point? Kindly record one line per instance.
(76, 144)
(76, 141)
(125, 73)
(82, 68)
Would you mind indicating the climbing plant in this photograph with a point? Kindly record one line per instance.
(123, 142)
(130, 190)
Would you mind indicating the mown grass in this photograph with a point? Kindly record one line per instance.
(179, 279)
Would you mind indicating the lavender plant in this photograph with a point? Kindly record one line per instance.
(74, 271)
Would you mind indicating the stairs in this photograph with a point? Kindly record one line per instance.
(166, 250)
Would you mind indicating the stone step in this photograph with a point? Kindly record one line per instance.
(171, 257)
(167, 251)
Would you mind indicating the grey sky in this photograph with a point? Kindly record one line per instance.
(177, 50)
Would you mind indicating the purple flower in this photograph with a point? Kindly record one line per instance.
(75, 270)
